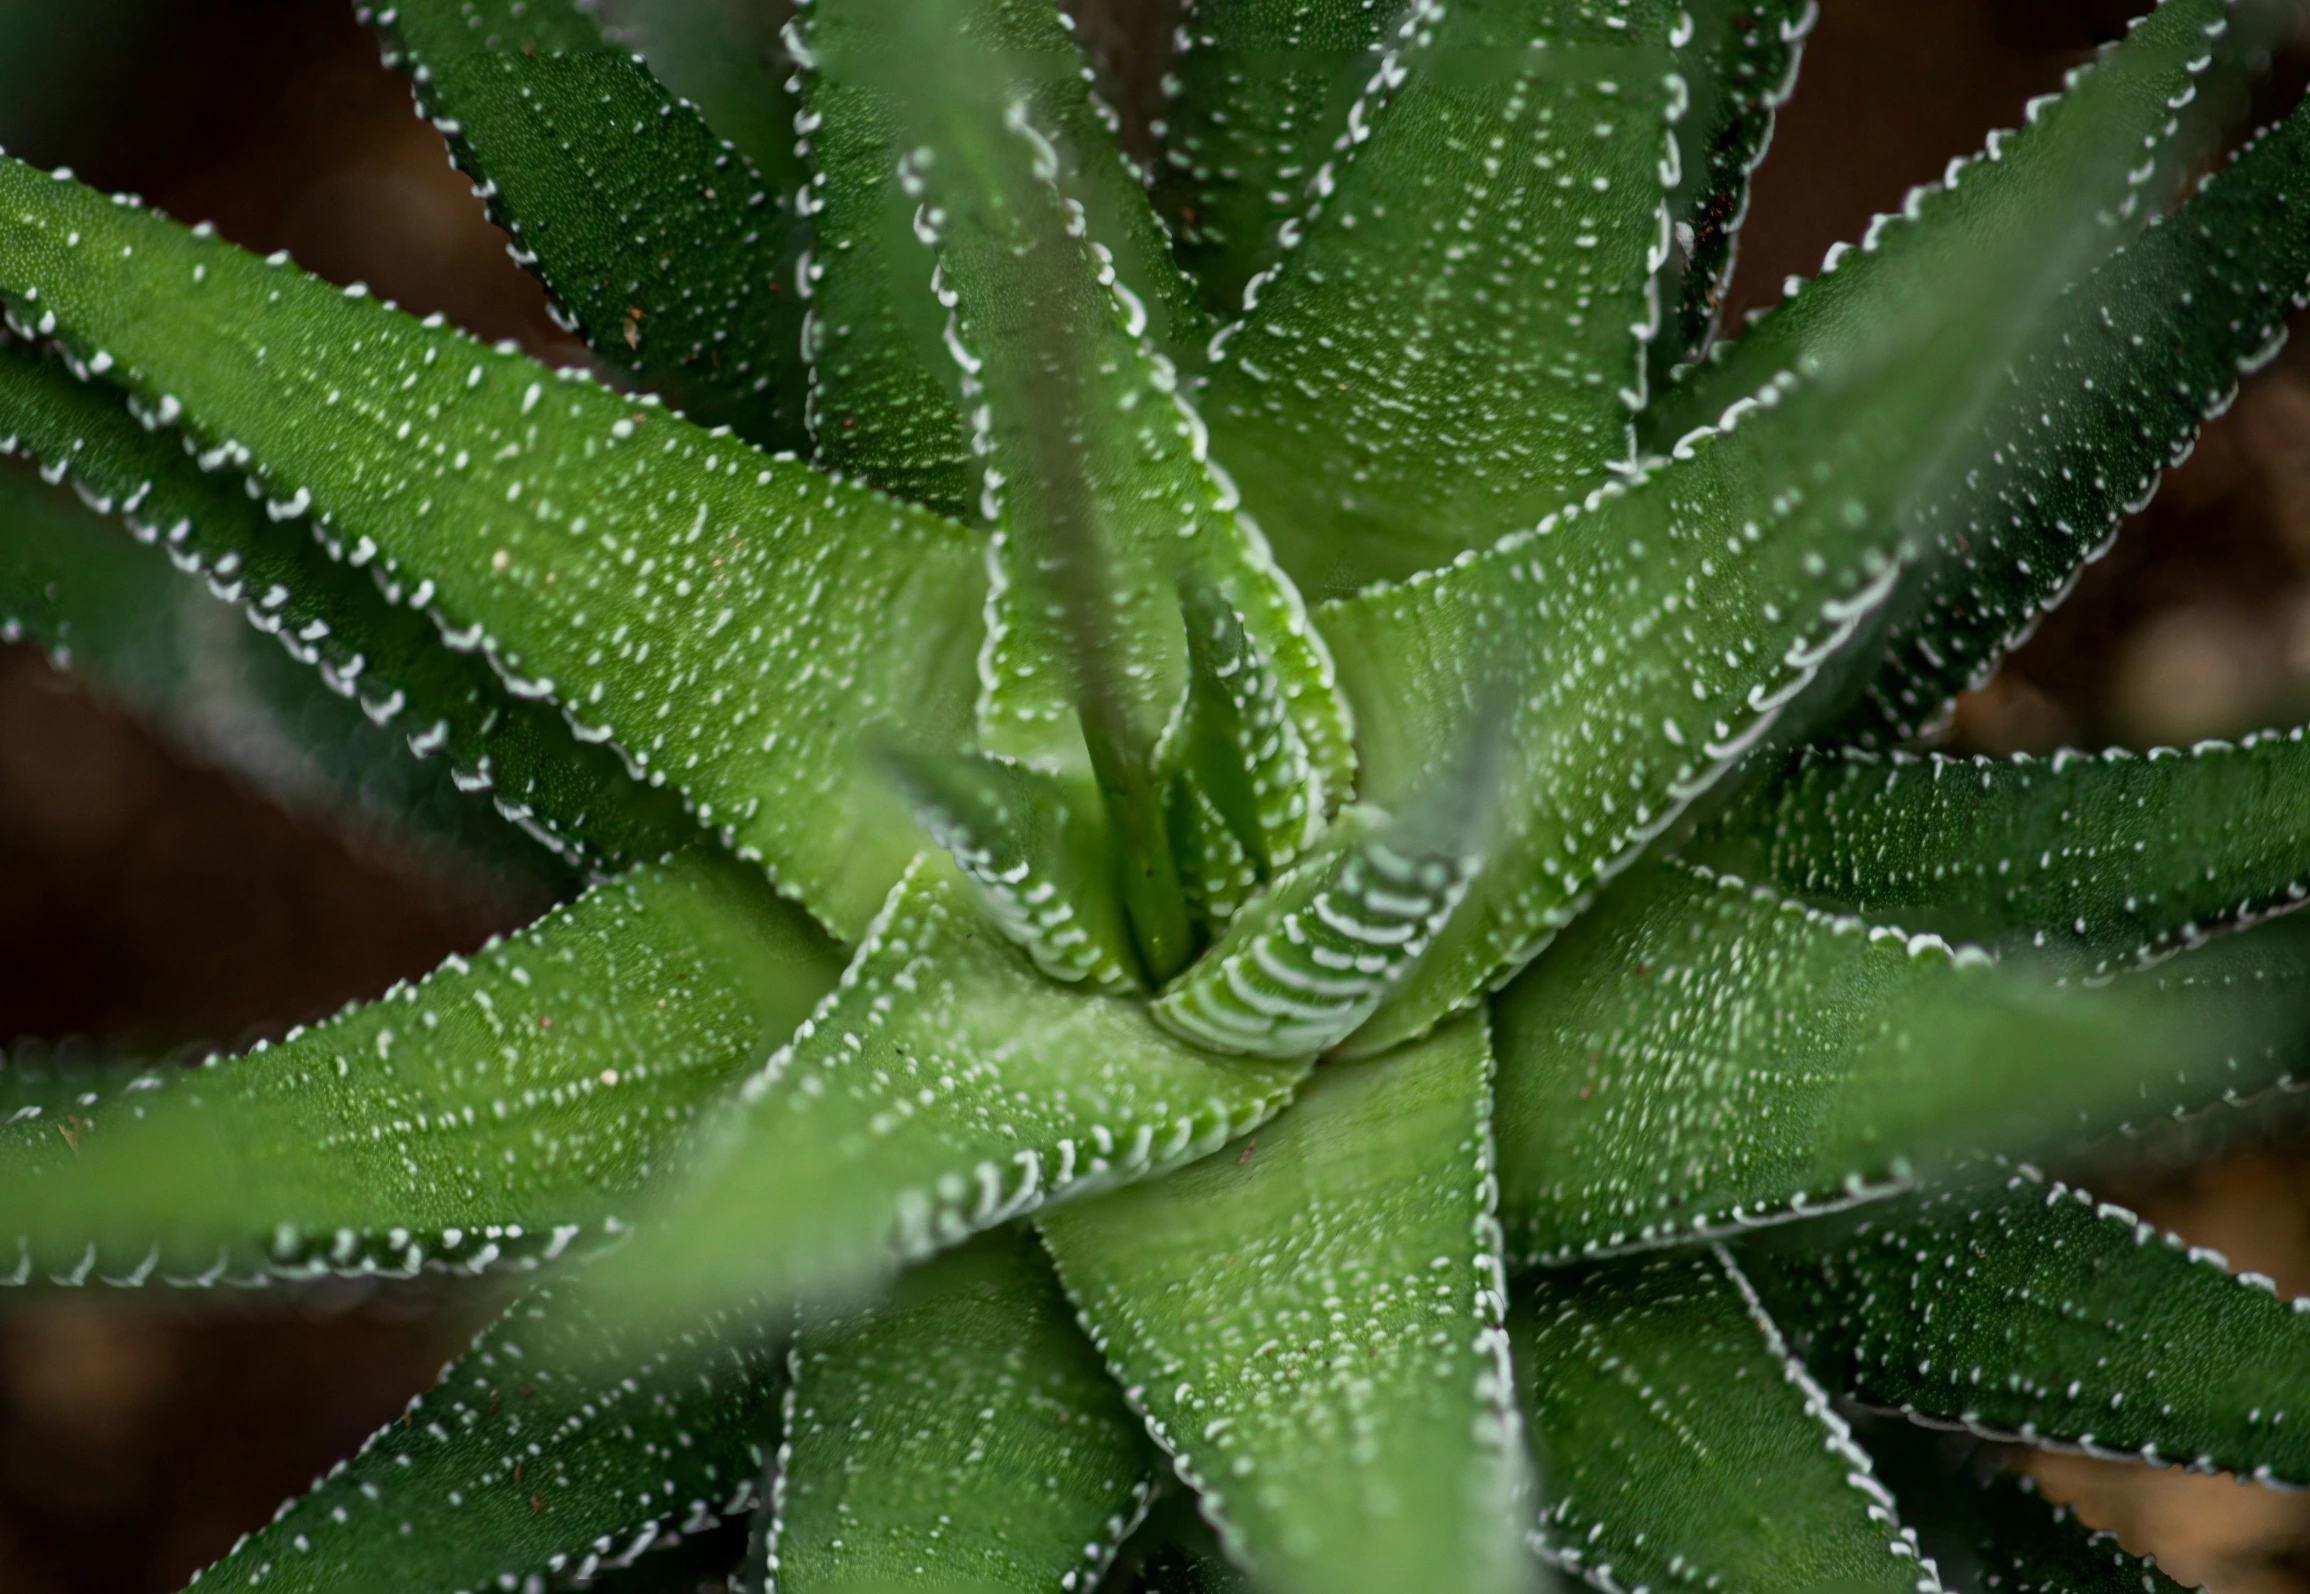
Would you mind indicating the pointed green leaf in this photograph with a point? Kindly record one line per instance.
(1258, 96)
(946, 1087)
(557, 1445)
(2149, 347)
(726, 56)
(1236, 741)
(1697, 1057)
(1453, 342)
(1738, 61)
(1683, 1446)
(1312, 1327)
(328, 612)
(1037, 855)
(2022, 1309)
(1648, 636)
(662, 243)
(2113, 858)
(732, 621)
(500, 1109)
(2158, 96)
(1307, 963)
(960, 1435)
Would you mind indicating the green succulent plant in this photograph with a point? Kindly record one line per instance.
(1244, 895)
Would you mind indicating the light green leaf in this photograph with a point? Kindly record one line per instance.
(1650, 635)
(1312, 1327)
(664, 244)
(1235, 743)
(960, 1435)
(1453, 340)
(2025, 1310)
(1683, 1446)
(1738, 61)
(1698, 1057)
(2149, 347)
(1258, 96)
(333, 617)
(1037, 854)
(558, 1444)
(506, 1108)
(945, 1088)
(2111, 858)
(766, 616)
(2157, 97)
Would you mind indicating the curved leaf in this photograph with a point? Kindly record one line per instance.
(1697, 1057)
(2113, 858)
(945, 1088)
(329, 612)
(1312, 1327)
(961, 1434)
(1684, 1446)
(732, 621)
(727, 57)
(665, 245)
(497, 1111)
(557, 1444)
(2025, 1310)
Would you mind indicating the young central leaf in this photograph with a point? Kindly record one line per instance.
(1312, 1327)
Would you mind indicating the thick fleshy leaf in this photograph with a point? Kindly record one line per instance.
(945, 1088)
(1647, 637)
(1738, 61)
(725, 56)
(1312, 1326)
(2157, 96)
(2149, 347)
(1257, 99)
(329, 613)
(1683, 1446)
(133, 628)
(2111, 857)
(959, 1435)
(734, 622)
(664, 244)
(558, 1444)
(1036, 852)
(503, 1109)
(1698, 1056)
(2022, 1309)
(1454, 340)
(1235, 744)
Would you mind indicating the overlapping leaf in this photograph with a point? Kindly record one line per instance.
(961, 1434)
(665, 245)
(507, 1107)
(1684, 1446)
(1453, 342)
(945, 1088)
(558, 1445)
(2024, 1309)
(1699, 1056)
(1312, 1327)
(2111, 857)
(731, 621)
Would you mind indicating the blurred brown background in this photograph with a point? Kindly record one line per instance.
(147, 903)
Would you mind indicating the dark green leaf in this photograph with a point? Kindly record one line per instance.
(328, 612)
(945, 1088)
(558, 1444)
(502, 1109)
(1684, 1447)
(732, 621)
(2114, 858)
(1259, 95)
(961, 1434)
(1452, 342)
(1697, 1057)
(727, 57)
(665, 245)
(2022, 1309)
(1311, 1325)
